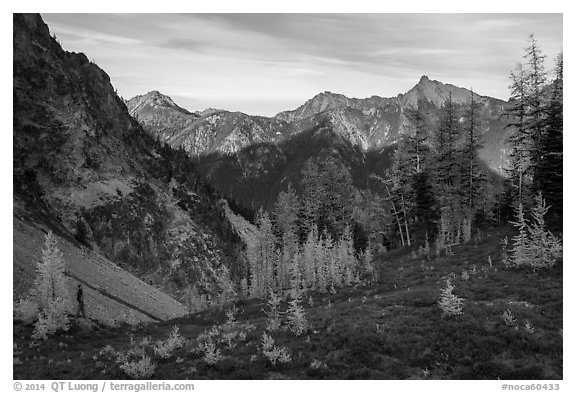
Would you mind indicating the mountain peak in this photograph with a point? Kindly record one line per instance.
(156, 98)
(320, 102)
(153, 100)
(435, 92)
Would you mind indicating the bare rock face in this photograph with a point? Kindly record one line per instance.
(250, 158)
(209, 131)
(86, 169)
(379, 122)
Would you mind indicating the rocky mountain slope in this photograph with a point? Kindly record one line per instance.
(85, 168)
(112, 295)
(253, 158)
(377, 122)
(203, 132)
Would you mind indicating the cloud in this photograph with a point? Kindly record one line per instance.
(188, 44)
(259, 56)
(85, 36)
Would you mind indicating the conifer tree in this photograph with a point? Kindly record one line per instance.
(472, 176)
(312, 196)
(448, 177)
(397, 214)
(297, 283)
(346, 260)
(450, 304)
(425, 205)
(446, 139)
(327, 196)
(399, 188)
(548, 174)
(309, 258)
(263, 257)
(323, 257)
(274, 321)
(286, 214)
(296, 317)
(368, 266)
(529, 122)
(50, 285)
(417, 143)
(50, 291)
(534, 246)
(520, 139)
(409, 184)
(544, 248)
(537, 80)
(520, 242)
(330, 262)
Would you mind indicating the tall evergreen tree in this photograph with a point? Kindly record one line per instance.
(417, 142)
(263, 257)
(529, 122)
(50, 283)
(327, 197)
(537, 81)
(286, 214)
(446, 147)
(399, 187)
(519, 139)
(310, 258)
(447, 162)
(548, 172)
(472, 189)
(471, 173)
(424, 202)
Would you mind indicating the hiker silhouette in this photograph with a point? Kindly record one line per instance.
(80, 298)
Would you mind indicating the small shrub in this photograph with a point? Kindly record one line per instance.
(134, 362)
(317, 364)
(273, 322)
(296, 317)
(509, 318)
(26, 310)
(50, 320)
(211, 354)
(231, 316)
(450, 304)
(228, 339)
(273, 353)
(108, 350)
(366, 258)
(528, 327)
(142, 368)
(165, 349)
(534, 246)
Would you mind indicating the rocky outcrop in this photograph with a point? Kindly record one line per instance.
(202, 133)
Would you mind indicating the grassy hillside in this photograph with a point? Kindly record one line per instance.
(112, 294)
(393, 329)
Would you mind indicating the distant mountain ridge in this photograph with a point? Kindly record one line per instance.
(211, 130)
(371, 123)
(426, 90)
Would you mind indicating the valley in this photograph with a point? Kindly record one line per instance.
(418, 236)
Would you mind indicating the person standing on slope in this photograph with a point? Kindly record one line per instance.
(80, 299)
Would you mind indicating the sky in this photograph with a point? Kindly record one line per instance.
(262, 64)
